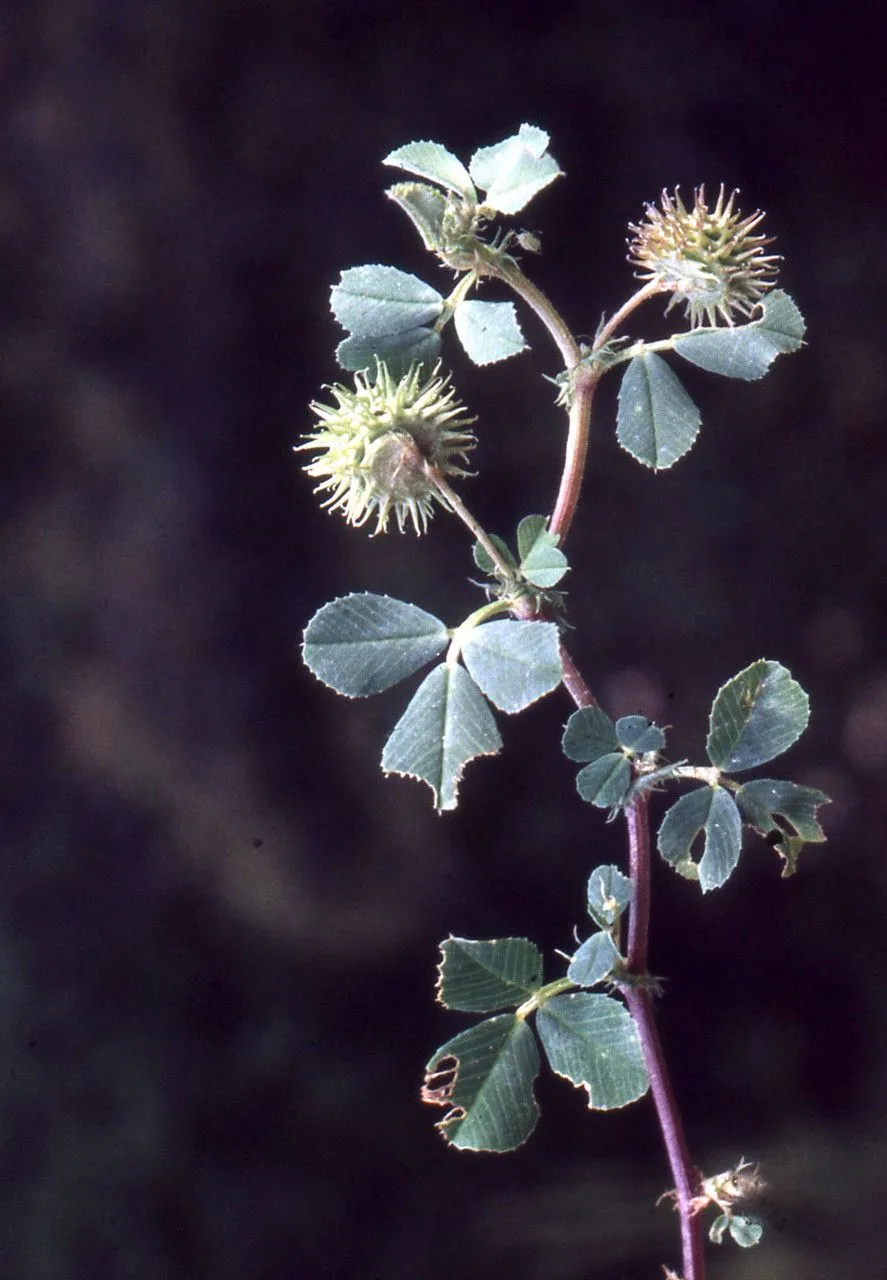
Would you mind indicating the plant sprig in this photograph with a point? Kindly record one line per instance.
(397, 444)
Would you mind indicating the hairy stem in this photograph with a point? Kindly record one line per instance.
(455, 503)
(581, 390)
(616, 319)
(554, 322)
(683, 1171)
(584, 380)
(639, 1000)
(574, 683)
(640, 1004)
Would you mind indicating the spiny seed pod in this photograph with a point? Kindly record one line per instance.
(374, 443)
(707, 258)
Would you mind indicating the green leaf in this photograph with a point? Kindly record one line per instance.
(718, 1227)
(432, 160)
(511, 172)
(596, 958)
(398, 350)
(609, 893)
(446, 724)
(373, 301)
(478, 977)
(425, 207)
(514, 663)
(606, 781)
(639, 735)
(483, 561)
(541, 562)
(589, 734)
(486, 1076)
(488, 331)
(657, 422)
(745, 1231)
(361, 644)
(762, 799)
(592, 1040)
(711, 811)
(747, 351)
(756, 716)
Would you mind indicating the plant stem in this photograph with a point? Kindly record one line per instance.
(639, 1000)
(581, 390)
(640, 1004)
(585, 378)
(455, 503)
(574, 683)
(510, 272)
(584, 382)
(616, 319)
(684, 1172)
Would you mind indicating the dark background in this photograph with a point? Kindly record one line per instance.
(218, 922)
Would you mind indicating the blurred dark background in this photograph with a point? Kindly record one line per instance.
(218, 922)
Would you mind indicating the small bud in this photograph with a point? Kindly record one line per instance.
(374, 442)
(708, 258)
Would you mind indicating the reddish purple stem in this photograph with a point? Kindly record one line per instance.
(639, 999)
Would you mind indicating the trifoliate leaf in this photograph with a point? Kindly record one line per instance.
(541, 562)
(488, 331)
(361, 644)
(514, 663)
(511, 172)
(590, 733)
(657, 422)
(432, 160)
(374, 300)
(756, 716)
(592, 1040)
(711, 812)
(485, 1077)
(746, 351)
(447, 723)
(480, 977)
